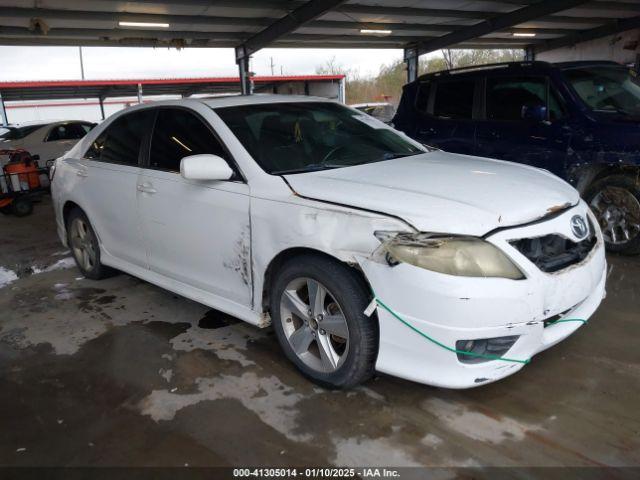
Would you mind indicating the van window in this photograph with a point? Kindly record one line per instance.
(178, 134)
(121, 141)
(507, 96)
(422, 97)
(454, 99)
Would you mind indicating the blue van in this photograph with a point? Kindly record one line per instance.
(579, 120)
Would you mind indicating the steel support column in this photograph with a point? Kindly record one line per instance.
(3, 112)
(242, 59)
(411, 59)
(101, 101)
(529, 54)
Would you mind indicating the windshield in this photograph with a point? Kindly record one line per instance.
(307, 136)
(606, 88)
(16, 133)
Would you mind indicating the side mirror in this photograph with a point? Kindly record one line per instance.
(534, 113)
(205, 167)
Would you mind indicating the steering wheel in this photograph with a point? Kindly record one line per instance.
(332, 153)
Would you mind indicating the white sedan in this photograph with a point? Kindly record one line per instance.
(47, 140)
(365, 250)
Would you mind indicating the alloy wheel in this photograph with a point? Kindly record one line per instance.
(618, 212)
(82, 244)
(314, 325)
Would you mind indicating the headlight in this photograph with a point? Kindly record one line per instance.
(453, 255)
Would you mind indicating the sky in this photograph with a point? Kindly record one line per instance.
(100, 63)
(62, 63)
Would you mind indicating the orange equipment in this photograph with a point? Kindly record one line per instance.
(19, 182)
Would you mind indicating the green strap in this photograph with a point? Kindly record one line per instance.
(462, 352)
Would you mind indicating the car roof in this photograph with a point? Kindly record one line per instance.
(258, 99)
(370, 104)
(524, 65)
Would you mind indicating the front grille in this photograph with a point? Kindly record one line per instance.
(552, 253)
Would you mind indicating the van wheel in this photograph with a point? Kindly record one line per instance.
(84, 246)
(615, 201)
(317, 307)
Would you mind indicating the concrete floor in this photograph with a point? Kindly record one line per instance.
(120, 372)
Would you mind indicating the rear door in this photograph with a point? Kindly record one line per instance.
(446, 108)
(107, 177)
(197, 232)
(504, 134)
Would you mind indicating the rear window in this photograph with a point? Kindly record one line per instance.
(454, 99)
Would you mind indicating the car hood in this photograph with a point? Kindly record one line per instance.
(443, 192)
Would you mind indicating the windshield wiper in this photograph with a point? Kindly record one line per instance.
(614, 110)
(393, 155)
(312, 167)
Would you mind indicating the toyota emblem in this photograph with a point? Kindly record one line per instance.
(579, 226)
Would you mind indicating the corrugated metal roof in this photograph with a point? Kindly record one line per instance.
(217, 23)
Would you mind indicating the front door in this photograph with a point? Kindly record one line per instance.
(197, 232)
(505, 134)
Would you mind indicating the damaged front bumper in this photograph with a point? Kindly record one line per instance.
(450, 308)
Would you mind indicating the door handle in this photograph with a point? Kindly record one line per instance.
(82, 173)
(146, 188)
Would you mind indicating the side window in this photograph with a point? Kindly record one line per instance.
(178, 134)
(422, 97)
(121, 141)
(87, 127)
(454, 99)
(507, 96)
(75, 131)
(55, 133)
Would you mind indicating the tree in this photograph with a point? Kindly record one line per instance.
(387, 85)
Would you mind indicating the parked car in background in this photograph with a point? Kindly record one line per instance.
(47, 140)
(579, 120)
(381, 110)
(294, 210)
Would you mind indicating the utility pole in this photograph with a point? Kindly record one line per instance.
(81, 63)
(272, 65)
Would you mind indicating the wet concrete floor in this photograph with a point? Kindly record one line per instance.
(120, 372)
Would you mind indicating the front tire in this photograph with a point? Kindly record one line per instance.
(84, 246)
(615, 201)
(317, 307)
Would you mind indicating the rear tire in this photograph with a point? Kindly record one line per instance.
(84, 246)
(615, 201)
(21, 207)
(317, 307)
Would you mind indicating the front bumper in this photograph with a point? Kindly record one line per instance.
(450, 308)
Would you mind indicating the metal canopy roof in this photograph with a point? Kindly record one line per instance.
(424, 25)
(67, 89)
